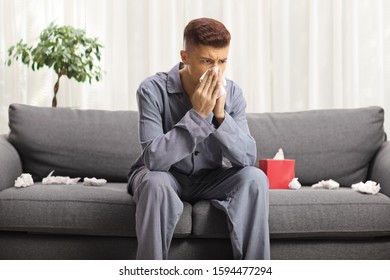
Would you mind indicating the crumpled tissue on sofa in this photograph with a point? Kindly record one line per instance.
(59, 180)
(294, 184)
(94, 182)
(66, 180)
(369, 187)
(24, 180)
(328, 184)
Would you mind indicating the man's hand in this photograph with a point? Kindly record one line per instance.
(219, 109)
(205, 96)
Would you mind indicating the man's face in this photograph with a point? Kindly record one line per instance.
(200, 58)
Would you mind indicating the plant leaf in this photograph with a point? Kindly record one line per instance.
(65, 49)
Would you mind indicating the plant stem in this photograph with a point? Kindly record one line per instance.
(56, 87)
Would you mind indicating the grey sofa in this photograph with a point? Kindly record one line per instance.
(81, 222)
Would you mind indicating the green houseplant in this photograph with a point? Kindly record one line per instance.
(68, 51)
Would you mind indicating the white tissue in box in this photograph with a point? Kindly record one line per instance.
(279, 155)
(222, 90)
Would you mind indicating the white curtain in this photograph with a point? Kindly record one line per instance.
(287, 55)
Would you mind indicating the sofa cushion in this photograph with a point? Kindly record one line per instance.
(333, 144)
(76, 143)
(209, 221)
(10, 164)
(75, 209)
(309, 213)
(320, 213)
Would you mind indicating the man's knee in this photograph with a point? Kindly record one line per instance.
(158, 185)
(254, 177)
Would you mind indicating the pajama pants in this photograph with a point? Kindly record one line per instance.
(242, 193)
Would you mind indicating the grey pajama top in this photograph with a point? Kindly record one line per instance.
(173, 135)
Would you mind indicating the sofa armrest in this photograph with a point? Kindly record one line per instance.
(380, 168)
(10, 163)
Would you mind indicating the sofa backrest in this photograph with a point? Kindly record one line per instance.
(75, 143)
(326, 144)
(333, 144)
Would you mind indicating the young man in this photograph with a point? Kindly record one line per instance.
(186, 127)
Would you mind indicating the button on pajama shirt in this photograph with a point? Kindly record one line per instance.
(183, 159)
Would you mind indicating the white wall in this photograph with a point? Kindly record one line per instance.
(286, 55)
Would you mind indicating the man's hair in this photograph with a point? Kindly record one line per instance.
(206, 31)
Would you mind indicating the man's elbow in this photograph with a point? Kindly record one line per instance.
(154, 164)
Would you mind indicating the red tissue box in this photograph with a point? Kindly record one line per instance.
(280, 172)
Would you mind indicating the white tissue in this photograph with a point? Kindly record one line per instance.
(279, 155)
(294, 184)
(370, 187)
(59, 180)
(24, 180)
(222, 91)
(328, 184)
(94, 182)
